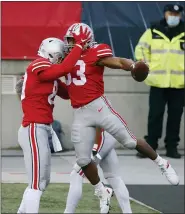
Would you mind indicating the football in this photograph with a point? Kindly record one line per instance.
(140, 71)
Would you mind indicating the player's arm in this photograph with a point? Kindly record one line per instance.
(97, 141)
(104, 57)
(18, 86)
(98, 135)
(53, 72)
(56, 71)
(62, 90)
(116, 63)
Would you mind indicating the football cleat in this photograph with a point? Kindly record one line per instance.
(109, 190)
(169, 172)
(104, 197)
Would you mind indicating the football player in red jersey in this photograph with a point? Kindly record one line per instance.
(91, 109)
(40, 86)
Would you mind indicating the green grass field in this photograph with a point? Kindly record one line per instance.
(54, 199)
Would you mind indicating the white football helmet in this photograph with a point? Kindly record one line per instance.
(75, 28)
(52, 49)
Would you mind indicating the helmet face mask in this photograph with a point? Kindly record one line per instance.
(52, 49)
(75, 28)
(69, 44)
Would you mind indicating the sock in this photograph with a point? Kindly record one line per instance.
(32, 200)
(22, 205)
(121, 193)
(99, 186)
(159, 160)
(75, 192)
(100, 189)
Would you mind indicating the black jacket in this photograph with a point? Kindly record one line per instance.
(169, 32)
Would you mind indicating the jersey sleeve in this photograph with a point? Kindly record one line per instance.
(101, 51)
(62, 90)
(40, 66)
(55, 71)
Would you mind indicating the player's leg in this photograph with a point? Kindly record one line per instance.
(110, 167)
(83, 137)
(22, 208)
(75, 189)
(108, 160)
(113, 123)
(24, 141)
(106, 144)
(34, 142)
(76, 176)
(83, 140)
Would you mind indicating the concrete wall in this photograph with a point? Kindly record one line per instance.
(128, 97)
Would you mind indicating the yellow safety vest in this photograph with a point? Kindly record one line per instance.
(165, 58)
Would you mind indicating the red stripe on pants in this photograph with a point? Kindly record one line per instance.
(120, 118)
(35, 181)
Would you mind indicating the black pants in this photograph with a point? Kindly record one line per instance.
(158, 99)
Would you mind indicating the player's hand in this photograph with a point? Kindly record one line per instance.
(83, 37)
(130, 64)
(18, 86)
(134, 63)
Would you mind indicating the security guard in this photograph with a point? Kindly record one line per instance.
(163, 46)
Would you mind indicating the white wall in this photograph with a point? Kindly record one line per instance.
(128, 97)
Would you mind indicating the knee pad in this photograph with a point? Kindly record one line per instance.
(131, 144)
(82, 162)
(77, 168)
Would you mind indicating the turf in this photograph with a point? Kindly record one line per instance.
(54, 199)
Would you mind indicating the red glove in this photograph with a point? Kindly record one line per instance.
(83, 37)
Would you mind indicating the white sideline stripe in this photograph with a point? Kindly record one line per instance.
(145, 205)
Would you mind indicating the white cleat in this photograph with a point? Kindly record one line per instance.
(109, 190)
(169, 172)
(104, 199)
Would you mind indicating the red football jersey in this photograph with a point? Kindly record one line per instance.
(38, 97)
(85, 83)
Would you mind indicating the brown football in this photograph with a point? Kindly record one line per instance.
(140, 71)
